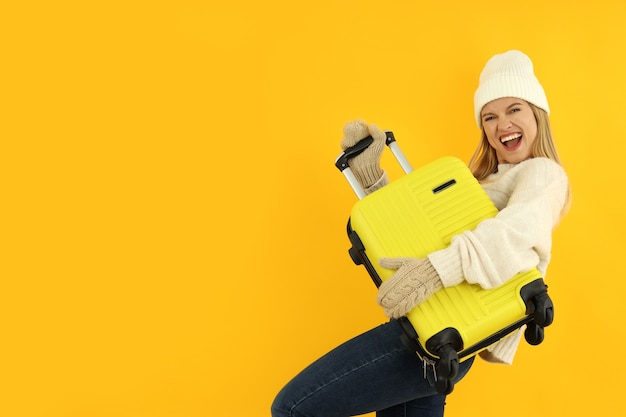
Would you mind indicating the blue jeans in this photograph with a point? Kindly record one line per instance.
(372, 372)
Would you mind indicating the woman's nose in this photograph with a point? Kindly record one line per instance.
(504, 123)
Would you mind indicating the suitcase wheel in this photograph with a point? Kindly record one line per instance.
(356, 257)
(444, 386)
(447, 369)
(448, 364)
(533, 334)
(544, 310)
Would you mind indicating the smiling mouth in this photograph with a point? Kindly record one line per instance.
(512, 140)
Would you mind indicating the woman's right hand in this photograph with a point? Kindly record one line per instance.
(365, 166)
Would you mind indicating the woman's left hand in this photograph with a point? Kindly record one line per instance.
(414, 281)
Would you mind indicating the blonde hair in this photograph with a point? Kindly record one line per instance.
(484, 162)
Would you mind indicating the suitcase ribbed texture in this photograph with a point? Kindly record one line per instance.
(419, 214)
(407, 218)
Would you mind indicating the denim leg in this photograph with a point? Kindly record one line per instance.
(431, 406)
(373, 371)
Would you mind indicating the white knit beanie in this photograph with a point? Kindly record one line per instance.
(509, 74)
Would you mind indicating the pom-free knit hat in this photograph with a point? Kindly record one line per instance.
(509, 74)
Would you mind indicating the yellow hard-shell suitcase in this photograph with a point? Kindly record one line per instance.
(419, 214)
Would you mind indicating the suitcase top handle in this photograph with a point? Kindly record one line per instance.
(342, 160)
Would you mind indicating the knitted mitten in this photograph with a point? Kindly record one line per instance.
(414, 281)
(365, 166)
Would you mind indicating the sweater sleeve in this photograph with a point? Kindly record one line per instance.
(518, 238)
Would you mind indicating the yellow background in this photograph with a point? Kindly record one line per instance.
(173, 226)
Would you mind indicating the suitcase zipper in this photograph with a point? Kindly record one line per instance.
(431, 363)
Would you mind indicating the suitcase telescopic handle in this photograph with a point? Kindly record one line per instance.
(342, 160)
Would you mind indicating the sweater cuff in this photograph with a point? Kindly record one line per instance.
(447, 262)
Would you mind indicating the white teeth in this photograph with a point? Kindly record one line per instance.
(511, 137)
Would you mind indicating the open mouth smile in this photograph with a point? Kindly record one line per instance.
(511, 141)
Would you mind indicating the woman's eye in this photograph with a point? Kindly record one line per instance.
(515, 110)
(488, 118)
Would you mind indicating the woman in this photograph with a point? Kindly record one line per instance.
(517, 164)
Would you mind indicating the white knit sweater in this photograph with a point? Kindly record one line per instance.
(530, 197)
